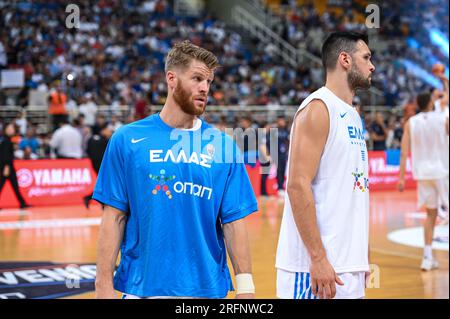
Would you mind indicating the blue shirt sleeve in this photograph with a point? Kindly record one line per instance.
(35, 145)
(110, 188)
(23, 144)
(239, 199)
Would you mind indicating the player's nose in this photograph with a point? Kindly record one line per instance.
(203, 87)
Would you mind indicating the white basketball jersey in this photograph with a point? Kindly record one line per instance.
(341, 194)
(429, 146)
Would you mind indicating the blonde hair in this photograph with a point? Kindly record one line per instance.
(182, 54)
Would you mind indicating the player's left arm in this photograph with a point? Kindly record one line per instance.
(406, 145)
(236, 240)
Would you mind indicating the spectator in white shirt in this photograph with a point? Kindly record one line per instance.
(21, 122)
(89, 109)
(72, 109)
(115, 123)
(67, 141)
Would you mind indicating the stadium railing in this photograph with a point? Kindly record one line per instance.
(38, 115)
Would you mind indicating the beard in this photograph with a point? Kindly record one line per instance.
(183, 99)
(356, 80)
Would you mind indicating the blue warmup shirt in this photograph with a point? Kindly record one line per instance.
(177, 187)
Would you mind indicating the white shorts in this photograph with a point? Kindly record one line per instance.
(432, 193)
(297, 285)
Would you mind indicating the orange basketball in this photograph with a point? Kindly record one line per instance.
(438, 68)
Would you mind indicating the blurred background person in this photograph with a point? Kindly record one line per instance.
(21, 122)
(29, 144)
(115, 123)
(409, 109)
(100, 121)
(57, 106)
(7, 170)
(89, 109)
(96, 147)
(264, 157)
(247, 140)
(426, 139)
(140, 107)
(85, 131)
(67, 141)
(283, 150)
(45, 150)
(440, 97)
(378, 132)
(395, 132)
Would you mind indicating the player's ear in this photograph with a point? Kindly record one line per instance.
(345, 60)
(171, 78)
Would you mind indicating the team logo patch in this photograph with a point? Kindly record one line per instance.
(162, 179)
(361, 182)
(45, 280)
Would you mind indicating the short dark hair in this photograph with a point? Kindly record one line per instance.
(423, 100)
(103, 126)
(337, 42)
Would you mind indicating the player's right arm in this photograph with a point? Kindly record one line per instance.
(310, 132)
(445, 89)
(110, 238)
(405, 147)
(444, 80)
(111, 191)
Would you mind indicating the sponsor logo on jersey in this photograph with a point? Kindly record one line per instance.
(134, 141)
(178, 187)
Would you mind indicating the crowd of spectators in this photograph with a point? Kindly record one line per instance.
(115, 58)
(405, 29)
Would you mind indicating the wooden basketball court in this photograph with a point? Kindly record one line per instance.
(68, 235)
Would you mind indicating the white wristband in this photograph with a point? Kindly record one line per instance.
(244, 284)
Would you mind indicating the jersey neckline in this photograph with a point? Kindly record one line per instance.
(197, 125)
(350, 106)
